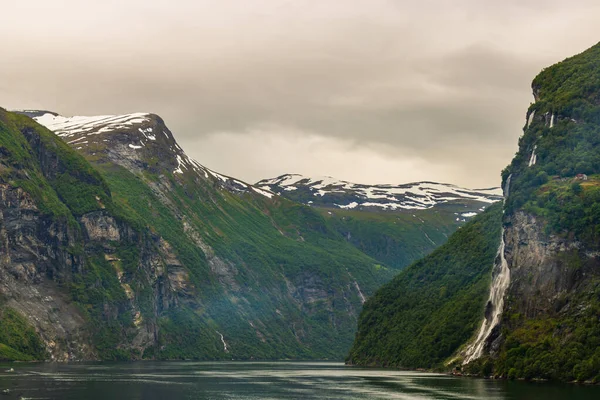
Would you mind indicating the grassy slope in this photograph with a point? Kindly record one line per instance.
(433, 306)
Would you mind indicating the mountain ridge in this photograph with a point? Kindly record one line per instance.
(330, 192)
(142, 143)
(88, 134)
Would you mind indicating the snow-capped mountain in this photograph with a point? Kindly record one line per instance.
(139, 141)
(333, 193)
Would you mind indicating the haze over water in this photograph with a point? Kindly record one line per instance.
(259, 380)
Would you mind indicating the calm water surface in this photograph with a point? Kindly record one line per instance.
(259, 380)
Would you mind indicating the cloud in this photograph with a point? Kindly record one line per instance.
(428, 89)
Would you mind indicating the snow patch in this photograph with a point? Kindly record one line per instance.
(418, 196)
(180, 164)
(263, 192)
(68, 126)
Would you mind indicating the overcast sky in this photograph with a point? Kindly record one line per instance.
(368, 91)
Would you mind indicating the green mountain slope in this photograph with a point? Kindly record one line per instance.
(146, 254)
(395, 224)
(397, 239)
(432, 307)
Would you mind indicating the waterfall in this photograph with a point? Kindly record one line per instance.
(533, 157)
(552, 120)
(530, 119)
(495, 303)
(225, 349)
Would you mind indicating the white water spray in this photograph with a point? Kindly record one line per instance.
(225, 349)
(495, 304)
(530, 119)
(533, 158)
(552, 121)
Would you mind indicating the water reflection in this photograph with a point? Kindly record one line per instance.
(259, 380)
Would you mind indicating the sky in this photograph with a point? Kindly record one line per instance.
(369, 91)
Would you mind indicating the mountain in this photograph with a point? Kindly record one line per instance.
(395, 224)
(328, 192)
(116, 245)
(540, 320)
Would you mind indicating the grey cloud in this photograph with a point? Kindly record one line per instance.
(444, 83)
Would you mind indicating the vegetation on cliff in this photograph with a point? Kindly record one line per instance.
(561, 340)
(549, 328)
(564, 134)
(18, 339)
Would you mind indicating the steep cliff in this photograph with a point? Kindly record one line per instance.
(550, 326)
(541, 319)
(63, 246)
(116, 245)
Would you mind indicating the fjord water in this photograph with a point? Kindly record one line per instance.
(258, 380)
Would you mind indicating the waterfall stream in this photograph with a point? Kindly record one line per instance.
(495, 303)
(225, 349)
(530, 118)
(533, 158)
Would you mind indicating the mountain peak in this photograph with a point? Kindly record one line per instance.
(327, 191)
(138, 142)
(76, 125)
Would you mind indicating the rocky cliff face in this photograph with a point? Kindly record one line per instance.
(550, 327)
(537, 262)
(50, 259)
(33, 251)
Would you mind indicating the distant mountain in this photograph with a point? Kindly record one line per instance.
(395, 224)
(332, 193)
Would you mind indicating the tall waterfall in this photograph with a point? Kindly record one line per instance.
(495, 303)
